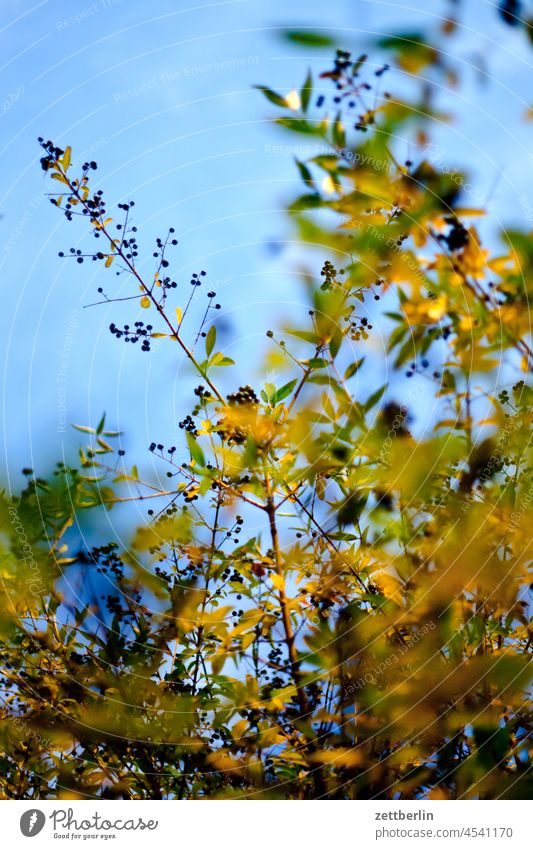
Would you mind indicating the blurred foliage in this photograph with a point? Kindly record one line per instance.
(323, 604)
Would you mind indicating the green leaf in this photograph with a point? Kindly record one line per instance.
(338, 535)
(105, 446)
(210, 340)
(338, 132)
(305, 336)
(101, 424)
(329, 162)
(306, 91)
(306, 201)
(202, 367)
(219, 359)
(298, 125)
(309, 38)
(305, 174)
(250, 452)
(335, 342)
(350, 511)
(273, 96)
(327, 380)
(407, 350)
(397, 335)
(284, 392)
(374, 398)
(270, 393)
(84, 428)
(358, 63)
(353, 368)
(195, 451)
(317, 362)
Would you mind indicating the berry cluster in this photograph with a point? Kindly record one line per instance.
(121, 246)
(166, 282)
(94, 205)
(195, 279)
(359, 328)
(190, 494)
(107, 562)
(344, 74)
(162, 245)
(231, 575)
(53, 153)
(457, 236)
(244, 395)
(204, 396)
(188, 425)
(414, 368)
(231, 434)
(129, 335)
(329, 273)
(160, 447)
(106, 559)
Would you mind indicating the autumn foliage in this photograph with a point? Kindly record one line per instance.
(326, 600)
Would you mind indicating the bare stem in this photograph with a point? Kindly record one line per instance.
(284, 608)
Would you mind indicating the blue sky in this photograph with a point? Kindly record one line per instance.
(161, 95)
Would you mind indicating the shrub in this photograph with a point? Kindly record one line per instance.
(326, 601)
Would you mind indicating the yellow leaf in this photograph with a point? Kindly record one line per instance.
(109, 260)
(224, 762)
(436, 308)
(328, 186)
(293, 101)
(246, 641)
(218, 662)
(278, 581)
(66, 158)
(239, 728)
(145, 302)
(438, 793)
(469, 212)
(340, 757)
(179, 315)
